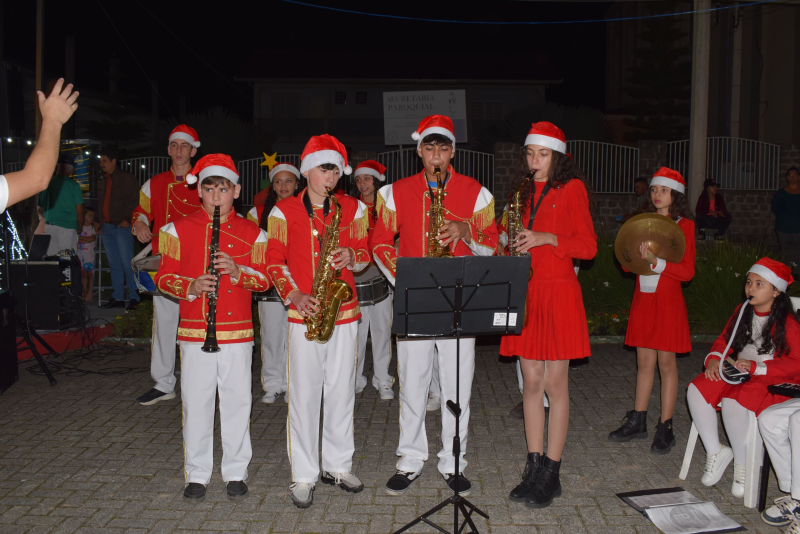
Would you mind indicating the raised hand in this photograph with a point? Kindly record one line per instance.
(60, 105)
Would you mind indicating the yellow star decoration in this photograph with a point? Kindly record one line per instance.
(269, 161)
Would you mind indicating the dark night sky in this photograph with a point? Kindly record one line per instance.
(226, 37)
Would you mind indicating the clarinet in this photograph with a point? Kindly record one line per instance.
(210, 344)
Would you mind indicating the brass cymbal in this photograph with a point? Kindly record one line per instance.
(664, 235)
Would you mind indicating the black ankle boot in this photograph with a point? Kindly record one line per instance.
(664, 438)
(532, 468)
(634, 427)
(547, 485)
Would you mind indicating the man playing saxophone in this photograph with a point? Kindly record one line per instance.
(316, 241)
(187, 247)
(465, 210)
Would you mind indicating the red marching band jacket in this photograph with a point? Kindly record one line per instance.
(184, 249)
(162, 200)
(404, 207)
(293, 249)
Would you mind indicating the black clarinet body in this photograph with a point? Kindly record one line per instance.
(210, 344)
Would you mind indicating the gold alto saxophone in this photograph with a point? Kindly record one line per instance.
(329, 289)
(515, 225)
(436, 220)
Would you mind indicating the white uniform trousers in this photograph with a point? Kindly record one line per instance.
(780, 428)
(274, 317)
(202, 376)
(415, 361)
(321, 373)
(166, 316)
(377, 320)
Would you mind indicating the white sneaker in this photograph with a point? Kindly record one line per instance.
(386, 392)
(271, 396)
(782, 512)
(302, 494)
(737, 488)
(794, 526)
(347, 481)
(434, 403)
(716, 465)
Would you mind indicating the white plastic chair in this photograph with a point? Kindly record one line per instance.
(753, 460)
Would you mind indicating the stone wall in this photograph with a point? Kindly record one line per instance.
(505, 160)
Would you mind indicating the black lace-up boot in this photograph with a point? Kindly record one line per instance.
(664, 438)
(547, 486)
(633, 427)
(529, 476)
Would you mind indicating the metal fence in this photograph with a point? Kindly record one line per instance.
(609, 168)
(734, 163)
(251, 172)
(145, 168)
(406, 162)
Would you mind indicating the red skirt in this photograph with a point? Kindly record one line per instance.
(752, 395)
(556, 326)
(658, 320)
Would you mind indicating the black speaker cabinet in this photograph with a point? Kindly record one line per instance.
(9, 372)
(47, 292)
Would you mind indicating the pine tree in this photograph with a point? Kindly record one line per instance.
(659, 86)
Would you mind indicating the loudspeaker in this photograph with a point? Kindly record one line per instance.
(47, 292)
(9, 373)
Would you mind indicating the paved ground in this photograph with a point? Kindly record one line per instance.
(83, 457)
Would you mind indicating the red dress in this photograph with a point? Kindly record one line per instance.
(556, 326)
(753, 394)
(658, 320)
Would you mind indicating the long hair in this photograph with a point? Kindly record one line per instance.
(562, 170)
(773, 335)
(269, 203)
(678, 208)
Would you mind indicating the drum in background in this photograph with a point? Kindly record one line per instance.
(271, 295)
(372, 291)
(144, 269)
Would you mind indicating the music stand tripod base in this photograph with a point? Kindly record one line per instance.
(441, 291)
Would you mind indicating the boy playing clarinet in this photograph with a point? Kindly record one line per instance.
(183, 274)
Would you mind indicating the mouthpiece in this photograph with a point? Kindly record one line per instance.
(750, 298)
(437, 171)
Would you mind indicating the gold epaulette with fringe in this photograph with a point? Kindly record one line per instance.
(277, 229)
(389, 216)
(169, 245)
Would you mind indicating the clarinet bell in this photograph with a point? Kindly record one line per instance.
(732, 374)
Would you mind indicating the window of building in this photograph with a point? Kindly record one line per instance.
(340, 98)
(285, 104)
(361, 98)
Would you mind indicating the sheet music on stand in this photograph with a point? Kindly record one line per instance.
(676, 511)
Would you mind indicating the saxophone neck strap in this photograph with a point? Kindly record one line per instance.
(326, 207)
(535, 208)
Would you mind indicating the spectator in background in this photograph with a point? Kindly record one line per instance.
(640, 186)
(86, 242)
(786, 207)
(61, 207)
(710, 211)
(117, 196)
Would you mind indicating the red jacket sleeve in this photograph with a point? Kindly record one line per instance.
(684, 271)
(581, 242)
(383, 234)
(357, 239)
(169, 278)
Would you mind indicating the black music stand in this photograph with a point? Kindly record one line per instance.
(432, 299)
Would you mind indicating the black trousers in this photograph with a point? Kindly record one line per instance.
(720, 224)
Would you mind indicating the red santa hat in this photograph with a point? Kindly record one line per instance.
(669, 178)
(435, 124)
(213, 165)
(774, 272)
(186, 133)
(371, 167)
(548, 135)
(280, 167)
(322, 149)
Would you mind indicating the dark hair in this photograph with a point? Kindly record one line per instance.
(642, 180)
(678, 208)
(562, 169)
(356, 193)
(436, 139)
(269, 203)
(774, 331)
(217, 180)
(87, 209)
(328, 166)
(111, 153)
(792, 168)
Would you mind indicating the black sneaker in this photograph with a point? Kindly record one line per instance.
(153, 396)
(113, 303)
(400, 482)
(237, 490)
(634, 426)
(464, 485)
(132, 305)
(194, 493)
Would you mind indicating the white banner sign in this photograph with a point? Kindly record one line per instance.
(402, 112)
